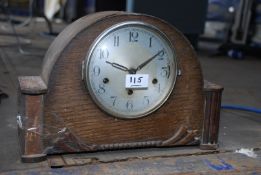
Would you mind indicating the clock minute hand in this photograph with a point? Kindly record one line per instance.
(118, 66)
(147, 61)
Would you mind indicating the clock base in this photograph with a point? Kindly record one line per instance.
(31, 137)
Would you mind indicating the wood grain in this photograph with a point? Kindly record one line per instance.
(69, 105)
(33, 141)
(213, 95)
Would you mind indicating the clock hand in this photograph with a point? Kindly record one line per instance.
(118, 66)
(147, 61)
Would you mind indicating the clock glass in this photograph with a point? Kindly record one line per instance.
(130, 70)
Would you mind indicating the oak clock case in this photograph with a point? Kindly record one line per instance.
(130, 70)
(61, 111)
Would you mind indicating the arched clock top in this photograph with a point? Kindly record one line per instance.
(82, 101)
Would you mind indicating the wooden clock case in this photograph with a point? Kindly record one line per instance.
(57, 114)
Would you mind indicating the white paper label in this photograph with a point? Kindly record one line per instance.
(136, 81)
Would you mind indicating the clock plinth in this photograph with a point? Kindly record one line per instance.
(67, 118)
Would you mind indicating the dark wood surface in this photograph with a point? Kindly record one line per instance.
(213, 96)
(70, 111)
(33, 142)
(30, 118)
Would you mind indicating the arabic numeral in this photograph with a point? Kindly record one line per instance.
(129, 105)
(101, 89)
(165, 71)
(133, 36)
(104, 53)
(116, 41)
(113, 100)
(150, 42)
(135, 80)
(146, 100)
(96, 70)
(161, 55)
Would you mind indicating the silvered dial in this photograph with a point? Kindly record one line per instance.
(130, 70)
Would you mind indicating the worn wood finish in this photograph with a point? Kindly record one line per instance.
(30, 132)
(70, 110)
(32, 85)
(29, 118)
(213, 94)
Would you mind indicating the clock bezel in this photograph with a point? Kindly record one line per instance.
(86, 64)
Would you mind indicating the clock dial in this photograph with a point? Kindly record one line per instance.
(130, 70)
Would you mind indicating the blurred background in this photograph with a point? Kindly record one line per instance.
(234, 24)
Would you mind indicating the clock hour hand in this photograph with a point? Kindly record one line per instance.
(149, 60)
(118, 66)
